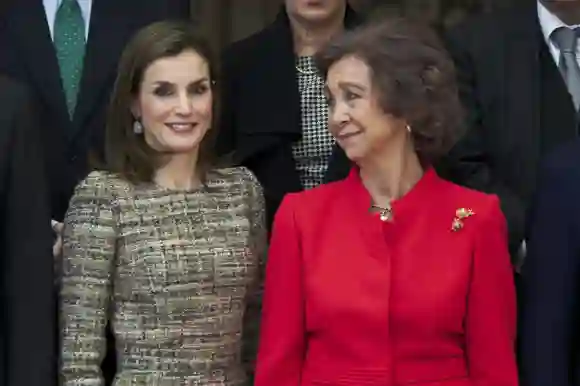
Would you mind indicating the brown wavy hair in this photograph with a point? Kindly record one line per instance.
(413, 76)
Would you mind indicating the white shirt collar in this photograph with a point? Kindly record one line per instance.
(550, 22)
(51, 8)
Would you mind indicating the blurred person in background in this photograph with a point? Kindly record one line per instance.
(550, 313)
(275, 114)
(27, 323)
(550, 276)
(67, 51)
(519, 79)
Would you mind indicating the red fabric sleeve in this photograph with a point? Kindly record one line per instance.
(282, 332)
(491, 313)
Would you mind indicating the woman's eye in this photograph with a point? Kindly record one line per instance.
(199, 89)
(351, 96)
(163, 91)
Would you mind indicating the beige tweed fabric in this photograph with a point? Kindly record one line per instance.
(177, 273)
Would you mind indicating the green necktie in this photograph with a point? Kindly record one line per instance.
(69, 41)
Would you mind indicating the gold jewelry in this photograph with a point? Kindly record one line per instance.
(460, 214)
(385, 214)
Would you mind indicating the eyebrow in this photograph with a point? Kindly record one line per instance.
(351, 85)
(200, 80)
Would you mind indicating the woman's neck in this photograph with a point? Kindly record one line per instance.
(309, 39)
(391, 177)
(179, 172)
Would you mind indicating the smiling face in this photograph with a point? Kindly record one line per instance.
(361, 128)
(174, 103)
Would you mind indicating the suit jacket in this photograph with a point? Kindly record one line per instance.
(261, 110)
(27, 330)
(352, 300)
(28, 55)
(550, 316)
(518, 108)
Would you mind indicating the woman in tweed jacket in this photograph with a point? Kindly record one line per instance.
(160, 244)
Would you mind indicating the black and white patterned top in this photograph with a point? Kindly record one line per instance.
(312, 152)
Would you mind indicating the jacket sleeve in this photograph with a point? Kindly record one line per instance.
(258, 246)
(491, 306)
(550, 279)
(27, 262)
(282, 336)
(88, 260)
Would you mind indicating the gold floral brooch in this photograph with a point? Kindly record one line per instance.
(460, 215)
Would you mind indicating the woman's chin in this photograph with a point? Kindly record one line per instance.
(353, 154)
(180, 145)
(176, 148)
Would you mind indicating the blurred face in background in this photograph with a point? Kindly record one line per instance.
(567, 10)
(174, 103)
(315, 11)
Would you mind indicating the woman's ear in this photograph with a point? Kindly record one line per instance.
(136, 109)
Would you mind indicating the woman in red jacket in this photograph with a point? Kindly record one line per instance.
(392, 276)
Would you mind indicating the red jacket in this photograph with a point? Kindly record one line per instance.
(352, 300)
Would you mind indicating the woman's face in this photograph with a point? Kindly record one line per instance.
(174, 103)
(356, 120)
(315, 11)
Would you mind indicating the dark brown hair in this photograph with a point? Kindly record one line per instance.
(413, 77)
(127, 153)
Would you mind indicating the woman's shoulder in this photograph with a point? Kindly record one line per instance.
(102, 183)
(233, 175)
(464, 198)
(316, 200)
(322, 191)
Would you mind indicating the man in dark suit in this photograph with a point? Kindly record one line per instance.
(549, 341)
(515, 81)
(67, 52)
(27, 329)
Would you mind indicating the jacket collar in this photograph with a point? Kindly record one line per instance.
(421, 193)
